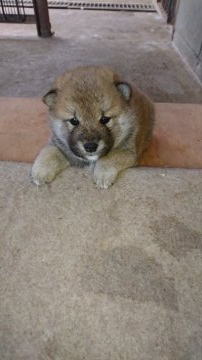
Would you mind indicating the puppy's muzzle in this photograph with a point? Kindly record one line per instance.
(90, 147)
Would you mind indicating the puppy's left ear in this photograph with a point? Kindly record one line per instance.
(125, 90)
(50, 98)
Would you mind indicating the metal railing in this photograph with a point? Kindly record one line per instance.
(14, 11)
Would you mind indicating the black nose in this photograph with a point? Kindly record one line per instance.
(90, 147)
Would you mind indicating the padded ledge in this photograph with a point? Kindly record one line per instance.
(177, 140)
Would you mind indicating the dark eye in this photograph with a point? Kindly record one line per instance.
(74, 121)
(104, 120)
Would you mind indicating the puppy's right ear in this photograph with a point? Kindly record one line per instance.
(50, 98)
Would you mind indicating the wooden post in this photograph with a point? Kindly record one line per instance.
(42, 18)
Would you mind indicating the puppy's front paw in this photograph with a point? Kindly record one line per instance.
(48, 164)
(41, 175)
(104, 176)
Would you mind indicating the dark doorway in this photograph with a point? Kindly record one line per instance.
(169, 9)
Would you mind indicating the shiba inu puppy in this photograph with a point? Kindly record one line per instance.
(96, 119)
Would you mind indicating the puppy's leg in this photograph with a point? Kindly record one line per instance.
(49, 163)
(107, 168)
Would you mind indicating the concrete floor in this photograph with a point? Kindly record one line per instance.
(91, 274)
(138, 45)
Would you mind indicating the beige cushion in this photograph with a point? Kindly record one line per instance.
(177, 140)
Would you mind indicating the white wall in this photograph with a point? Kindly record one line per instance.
(188, 33)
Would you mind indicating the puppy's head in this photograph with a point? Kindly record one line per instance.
(89, 111)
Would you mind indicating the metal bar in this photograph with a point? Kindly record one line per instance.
(12, 11)
(3, 10)
(42, 18)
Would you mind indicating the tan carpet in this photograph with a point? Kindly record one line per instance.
(177, 138)
(106, 275)
(101, 275)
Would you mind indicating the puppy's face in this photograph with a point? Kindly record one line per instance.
(89, 112)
